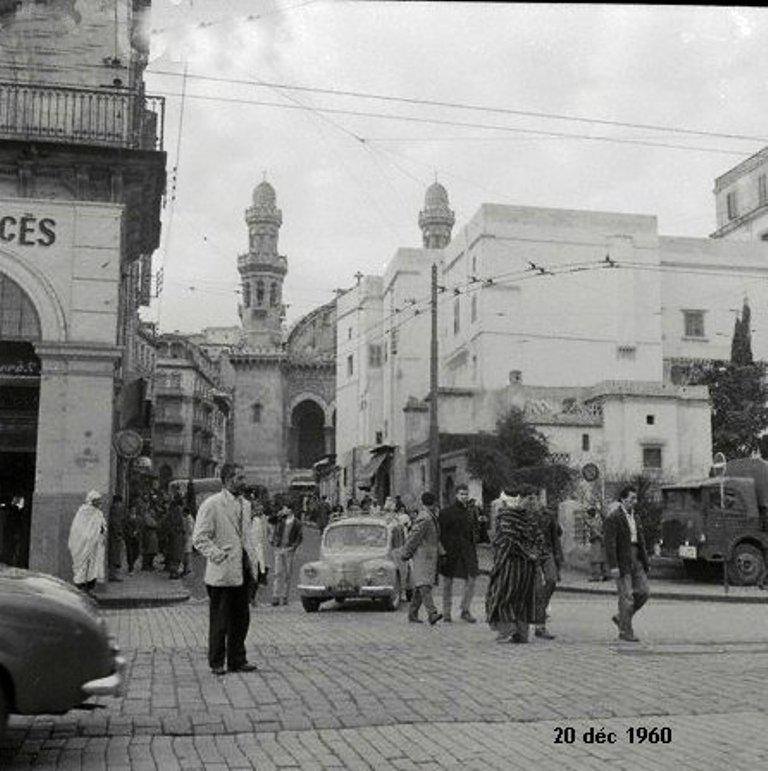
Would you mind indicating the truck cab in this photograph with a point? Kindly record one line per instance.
(718, 519)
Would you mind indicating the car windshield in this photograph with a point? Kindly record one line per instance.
(355, 536)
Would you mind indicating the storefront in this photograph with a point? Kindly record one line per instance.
(59, 286)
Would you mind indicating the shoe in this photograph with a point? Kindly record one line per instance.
(244, 668)
(412, 620)
(517, 640)
(218, 671)
(616, 621)
(285, 601)
(628, 637)
(468, 617)
(503, 638)
(434, 618)
(447, 618)
(275, 603)
(544, 634)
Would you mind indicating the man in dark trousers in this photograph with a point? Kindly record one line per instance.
(457, 535)
(222, 535)
(549, 564)
(628, 560)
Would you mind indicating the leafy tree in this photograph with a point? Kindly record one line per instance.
(516, 452)
(739, 394)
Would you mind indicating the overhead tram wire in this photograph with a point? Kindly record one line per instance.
(471, 107)
(172, 208)
(439, 122)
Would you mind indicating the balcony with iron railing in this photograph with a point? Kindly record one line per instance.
(111, 117)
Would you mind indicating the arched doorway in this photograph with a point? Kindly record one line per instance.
(19, 403)
(307, 424)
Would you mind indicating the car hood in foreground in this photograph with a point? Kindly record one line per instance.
(17, 582)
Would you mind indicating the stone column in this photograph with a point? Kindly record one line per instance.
(74, 444)
(329, 433)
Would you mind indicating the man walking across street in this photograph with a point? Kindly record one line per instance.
(549, 564)
(286, 537)
(457, 535)
(423, 547)
(223, 536)
(628, 560)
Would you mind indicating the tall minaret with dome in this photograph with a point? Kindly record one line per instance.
(436, 219)
(262, 271)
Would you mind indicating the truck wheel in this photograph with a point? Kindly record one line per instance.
(310, 604)
(746, 565)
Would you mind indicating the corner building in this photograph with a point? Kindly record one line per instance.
(81, 179)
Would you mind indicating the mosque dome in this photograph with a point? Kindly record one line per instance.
(436, 196)
(264, 195)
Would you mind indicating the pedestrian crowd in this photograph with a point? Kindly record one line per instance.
(233, 527)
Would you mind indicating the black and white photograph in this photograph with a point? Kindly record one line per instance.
(383, 385)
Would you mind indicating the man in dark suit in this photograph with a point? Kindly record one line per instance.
(457, 535)
(286, 537)
(627, 560)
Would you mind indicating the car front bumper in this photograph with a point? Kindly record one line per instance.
(328, 592)
(111, 685)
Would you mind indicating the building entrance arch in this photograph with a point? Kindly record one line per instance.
(20, 329)
(307, 434)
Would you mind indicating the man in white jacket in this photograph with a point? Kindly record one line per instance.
(222, 535)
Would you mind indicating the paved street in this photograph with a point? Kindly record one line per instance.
(358, 688)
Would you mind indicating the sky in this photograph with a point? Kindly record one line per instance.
(349, 204)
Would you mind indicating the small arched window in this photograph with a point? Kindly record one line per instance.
(246, 294)
(273, 294)
(259, 292)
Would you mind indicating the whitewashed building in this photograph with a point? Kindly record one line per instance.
(595, 303)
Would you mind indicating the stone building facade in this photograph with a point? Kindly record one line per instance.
(284, 384)
(82, 173)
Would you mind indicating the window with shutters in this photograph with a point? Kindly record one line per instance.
(731, 205)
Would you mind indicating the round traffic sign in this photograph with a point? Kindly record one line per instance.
(128, 444)
(590, 472)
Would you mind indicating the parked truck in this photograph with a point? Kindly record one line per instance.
(720, 519)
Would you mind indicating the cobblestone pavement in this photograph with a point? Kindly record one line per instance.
(355, 687)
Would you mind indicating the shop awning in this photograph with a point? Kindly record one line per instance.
(369, 471)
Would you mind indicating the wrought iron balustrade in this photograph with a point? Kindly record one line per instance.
(107, 116)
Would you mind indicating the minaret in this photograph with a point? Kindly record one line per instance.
(262, 271)
(436, 218)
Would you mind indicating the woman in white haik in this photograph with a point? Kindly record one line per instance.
(86, 543)
(259, 536)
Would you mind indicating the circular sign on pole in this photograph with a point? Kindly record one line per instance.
(590, 472)
(718, 463)
(128, 444)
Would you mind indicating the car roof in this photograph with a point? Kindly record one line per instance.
(363, 520)
(737, 482)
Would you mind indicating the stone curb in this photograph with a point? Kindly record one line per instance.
(124, 603)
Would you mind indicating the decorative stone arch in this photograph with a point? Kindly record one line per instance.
(308, 396)
(53, 322)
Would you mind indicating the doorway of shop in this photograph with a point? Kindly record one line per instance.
(19, 401)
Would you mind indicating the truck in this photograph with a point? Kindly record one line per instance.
(720, 519)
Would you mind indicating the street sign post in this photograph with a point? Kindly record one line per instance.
(718, 466)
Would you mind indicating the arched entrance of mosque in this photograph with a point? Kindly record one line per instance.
(19, 403)
(308, 436)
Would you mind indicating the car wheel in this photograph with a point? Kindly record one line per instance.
(340, 600)
(310, 604)
(746, 565)
(393, 601)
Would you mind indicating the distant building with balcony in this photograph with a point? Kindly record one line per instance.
(741, 200)
(192, 411)
(82, 174)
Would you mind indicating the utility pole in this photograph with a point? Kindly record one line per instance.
(434, 436)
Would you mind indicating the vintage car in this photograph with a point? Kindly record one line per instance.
(357, 559)
(55, 649)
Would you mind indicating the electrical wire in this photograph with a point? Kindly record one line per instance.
(464, 124)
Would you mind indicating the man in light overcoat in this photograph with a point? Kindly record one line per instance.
(222, 535)
(423, 548)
